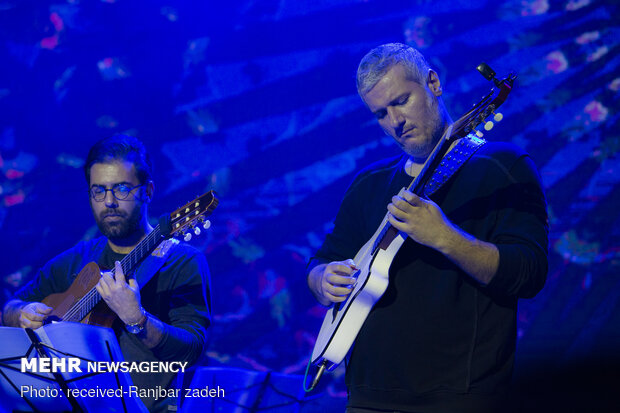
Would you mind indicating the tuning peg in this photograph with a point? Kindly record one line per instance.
(206, 224)
(187, 237)
(196, 231)
(488, 73)
(497, 117)
(479, 134)
(488, 126)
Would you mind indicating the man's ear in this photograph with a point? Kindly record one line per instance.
(433, 83)
(149, 190)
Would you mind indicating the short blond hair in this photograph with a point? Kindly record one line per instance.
(381, 59)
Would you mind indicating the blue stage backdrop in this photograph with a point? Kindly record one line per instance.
(256, 99)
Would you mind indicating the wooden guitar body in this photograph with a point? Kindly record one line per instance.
(64, 302)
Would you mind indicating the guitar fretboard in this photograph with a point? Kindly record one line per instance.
(144, 248)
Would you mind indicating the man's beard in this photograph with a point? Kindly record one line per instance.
(123, 228)
(424, 149)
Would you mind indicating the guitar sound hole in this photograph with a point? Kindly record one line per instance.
(51, 319)
(335, 311)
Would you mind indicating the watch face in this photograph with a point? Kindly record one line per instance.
(134, 329)
(139, 326)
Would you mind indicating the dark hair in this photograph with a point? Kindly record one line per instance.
(120, 148)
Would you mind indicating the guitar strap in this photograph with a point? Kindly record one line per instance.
(452, 162)
(152, 263)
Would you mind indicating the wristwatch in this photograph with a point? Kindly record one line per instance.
(137, 328)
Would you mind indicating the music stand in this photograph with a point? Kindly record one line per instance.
(53, 392)
(242, 391)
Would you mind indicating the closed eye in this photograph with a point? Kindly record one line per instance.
(403, 100)
(380, 114)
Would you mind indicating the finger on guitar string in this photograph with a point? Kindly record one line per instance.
(412, 198)
(120, 281)
(121, 296)
(338, 285)
(105, 284)
(339, 274)
(337, 292)
(119, 275)
(347, 267)
(406, 201)
(402, 205)
(340, 280)
(133, 284)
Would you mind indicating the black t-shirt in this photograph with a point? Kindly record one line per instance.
(109, 258)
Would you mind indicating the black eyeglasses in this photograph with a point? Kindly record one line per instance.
(120, 191)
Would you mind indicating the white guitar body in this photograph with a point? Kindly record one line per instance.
(342, 323)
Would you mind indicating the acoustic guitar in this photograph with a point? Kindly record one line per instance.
(82, 303)
(344, 320)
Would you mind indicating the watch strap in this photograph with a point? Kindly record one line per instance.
(136, 328)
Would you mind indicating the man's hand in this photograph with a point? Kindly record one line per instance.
(123, 298)
(421, 219)
(426, 223)
(332, 283)
(32, 315)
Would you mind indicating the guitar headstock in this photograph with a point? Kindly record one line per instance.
(487, 105)
(190, 217)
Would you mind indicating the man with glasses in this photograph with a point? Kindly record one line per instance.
(165, 319)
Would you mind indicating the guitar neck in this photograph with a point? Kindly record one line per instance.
(431, 162)
(388, 233)
(141, 251)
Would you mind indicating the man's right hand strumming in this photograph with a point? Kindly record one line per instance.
(25, 315)
(333, 282)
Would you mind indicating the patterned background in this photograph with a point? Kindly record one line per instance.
(256, 99)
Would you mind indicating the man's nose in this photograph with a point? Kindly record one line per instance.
(110, 200)
(395, 118)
